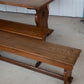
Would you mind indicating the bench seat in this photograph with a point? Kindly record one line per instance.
(39, 50)
(24, 29)
(54, 54)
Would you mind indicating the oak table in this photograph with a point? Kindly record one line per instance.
(41, 7)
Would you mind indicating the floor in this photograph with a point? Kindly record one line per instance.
(67, 31)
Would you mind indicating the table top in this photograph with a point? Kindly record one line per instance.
(32, 4)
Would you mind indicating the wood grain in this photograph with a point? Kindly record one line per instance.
(24, 29)
(42, 51)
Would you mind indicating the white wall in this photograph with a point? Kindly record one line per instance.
(67, 8)
(72, 8)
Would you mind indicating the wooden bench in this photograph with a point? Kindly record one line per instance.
(24, 29)
(57, 55)
(40, 6)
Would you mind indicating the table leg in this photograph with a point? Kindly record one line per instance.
(41, 17)
(67, 77)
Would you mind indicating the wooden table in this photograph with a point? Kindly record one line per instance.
(41, 7)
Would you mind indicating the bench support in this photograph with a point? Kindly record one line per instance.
(38, 64)
(67, 77)
(67, 74)
(41, 17)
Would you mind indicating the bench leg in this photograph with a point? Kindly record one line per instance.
(38, 64)
(41, 17)
(67, 77)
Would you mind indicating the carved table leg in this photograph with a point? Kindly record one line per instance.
(41, 17)
(67, 77)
